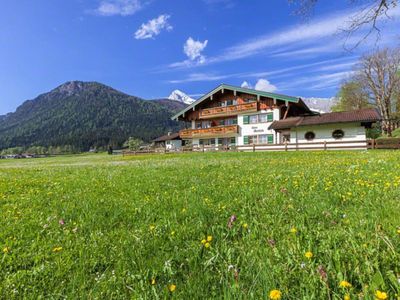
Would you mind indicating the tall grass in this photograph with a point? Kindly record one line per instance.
(101, 227)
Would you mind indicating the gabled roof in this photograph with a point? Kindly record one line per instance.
(168, 137)
(361, 115)
(238, 89)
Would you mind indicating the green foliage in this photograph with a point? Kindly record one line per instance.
(351, 97)
(103, 227)
(133, 143)
(85, 115)
(396, 133)
(374, 132)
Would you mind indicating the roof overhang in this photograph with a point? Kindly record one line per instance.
(223, 87)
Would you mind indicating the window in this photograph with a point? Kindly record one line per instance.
(231, 102)
(249, 100)
(338, 134)
(233, 141)
(253, 119)
(252, 139)
(261, 118)
(309, 136)
(258, 139)
(230, 121)
(262, 139)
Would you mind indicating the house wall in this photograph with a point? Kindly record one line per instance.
(352, 132)
(173, 144)
(256, 129)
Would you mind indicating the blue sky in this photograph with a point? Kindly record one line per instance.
(148, 48)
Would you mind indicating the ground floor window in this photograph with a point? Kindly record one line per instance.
(338, 134)
(226, 141)
(258, 139)
(309, 136)
(207, 142)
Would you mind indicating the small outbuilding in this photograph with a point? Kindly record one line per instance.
(336, 126)
(170, 141)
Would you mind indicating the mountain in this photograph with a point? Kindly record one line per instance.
(86, 114)
(321, 105)
(180, 96)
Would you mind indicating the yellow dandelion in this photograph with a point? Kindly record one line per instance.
(345, 284)
(309, 254)
(245, 225)
(57, 249)
(209, 238)
(203, 241)
(275, 295)
(379, 295)
(346, 297)
(6, 250)
(398, 231)
(207, 245)
(172, 288)
(152, 227)
(153, 281)
(293, 230)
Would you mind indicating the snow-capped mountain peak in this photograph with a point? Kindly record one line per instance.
(321, 105)
(180, 96)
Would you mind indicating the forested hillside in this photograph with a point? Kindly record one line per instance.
(84, 115)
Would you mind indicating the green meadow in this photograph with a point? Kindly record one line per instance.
(294, 225)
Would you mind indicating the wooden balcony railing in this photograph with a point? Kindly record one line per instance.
(218, 131)
(228, 110)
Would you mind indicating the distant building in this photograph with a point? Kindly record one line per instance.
(235, 116)
(170, 141)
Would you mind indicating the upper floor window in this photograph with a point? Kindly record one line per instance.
(249, 100)
(261, 118)
(226, 122)
(231, 102)
(228, 102)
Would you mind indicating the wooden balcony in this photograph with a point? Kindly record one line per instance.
(218, 131)
(231, 110)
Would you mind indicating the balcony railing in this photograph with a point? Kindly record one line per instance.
(228, 110)
(218, 131)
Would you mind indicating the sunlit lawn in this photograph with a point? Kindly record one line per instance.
(311, 225)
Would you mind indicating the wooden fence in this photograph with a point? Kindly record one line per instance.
(324, 145)
(386, 143)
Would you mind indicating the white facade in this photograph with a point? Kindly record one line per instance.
(257, 128)
(352, 132)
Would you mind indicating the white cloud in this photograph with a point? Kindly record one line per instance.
(265, 85)
(193, 49)
(317, 37)
(194, 77)
(246, 85)
(153, 27)
(118, 7)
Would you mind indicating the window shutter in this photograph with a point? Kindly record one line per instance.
(246, 140)
(270, 138)
(270, 117)
(246, 119)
